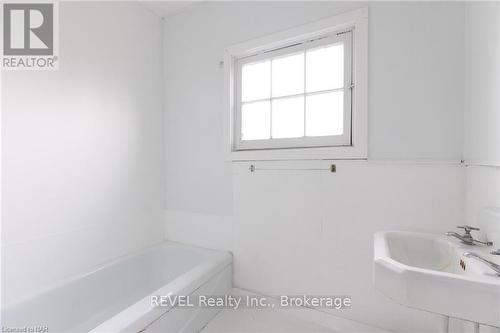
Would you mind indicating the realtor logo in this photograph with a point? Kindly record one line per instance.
(29, 36)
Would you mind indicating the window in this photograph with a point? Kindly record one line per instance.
(300, 93)
(296, 96)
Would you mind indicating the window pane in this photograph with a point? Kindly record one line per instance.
(288, 75)
(256, 121)
(325, 114)
(325, 68)
(288, 117)
(256, 81)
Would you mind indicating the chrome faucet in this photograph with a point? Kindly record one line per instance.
(488, 263)
(467, 237)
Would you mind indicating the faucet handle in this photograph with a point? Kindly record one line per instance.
(468, 228)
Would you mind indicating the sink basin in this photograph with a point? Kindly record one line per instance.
(429, 272)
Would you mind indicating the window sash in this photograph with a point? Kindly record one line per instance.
(300, 142)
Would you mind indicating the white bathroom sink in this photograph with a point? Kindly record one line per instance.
(424, 271)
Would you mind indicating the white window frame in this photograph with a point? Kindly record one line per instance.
(344, 139)
(353, 146)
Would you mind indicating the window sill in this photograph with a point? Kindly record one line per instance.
(319, 153)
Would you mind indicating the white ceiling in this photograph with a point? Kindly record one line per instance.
(167, 8)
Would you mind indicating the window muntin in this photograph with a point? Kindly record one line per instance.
(301, 92)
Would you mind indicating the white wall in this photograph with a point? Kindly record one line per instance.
(82, 159)
(311, 231)
(482, 107)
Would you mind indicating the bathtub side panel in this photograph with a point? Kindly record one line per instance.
(142, 313)
(194, 319)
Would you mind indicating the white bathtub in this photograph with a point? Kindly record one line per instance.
(117, 297)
